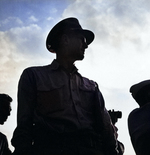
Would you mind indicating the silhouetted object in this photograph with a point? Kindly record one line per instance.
(5, 109)
(139, 118)
(59, 111)
(115, 115)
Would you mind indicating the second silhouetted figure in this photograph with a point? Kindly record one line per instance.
(139, 118)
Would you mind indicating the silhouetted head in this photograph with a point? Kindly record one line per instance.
(141, 92)
(5, 107)
(66, 26)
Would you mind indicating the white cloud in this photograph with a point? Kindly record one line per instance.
(20, 47)
(50, 18)
(33, 19)
(11, 22)
(54, 10)
(27, 39)
(10, 65)
(112, 21)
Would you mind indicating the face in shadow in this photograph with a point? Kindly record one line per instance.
(5, 110)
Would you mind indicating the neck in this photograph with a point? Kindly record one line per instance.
(66, 63)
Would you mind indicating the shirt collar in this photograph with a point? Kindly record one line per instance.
(55, 65)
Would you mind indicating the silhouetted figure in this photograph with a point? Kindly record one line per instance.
(139, 119)
(5, 109)
(59, 111)
(115, 115)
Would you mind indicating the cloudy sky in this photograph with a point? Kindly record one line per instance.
(117, 59)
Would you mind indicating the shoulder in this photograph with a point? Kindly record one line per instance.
(31, 73)
(41, 69)
(86, 80)
(36, 71)
(35, 68)
(133, 113)
(133, 118)
(89, 83)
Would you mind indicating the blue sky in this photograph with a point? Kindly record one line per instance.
(117, 59)
(24, 12)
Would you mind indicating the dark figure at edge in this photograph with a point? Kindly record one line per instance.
(139, 118)
(5, 109)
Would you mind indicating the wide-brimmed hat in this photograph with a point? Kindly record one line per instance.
(59, 29)
(140, 88)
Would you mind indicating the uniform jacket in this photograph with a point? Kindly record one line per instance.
(139, 129)
(58, 101)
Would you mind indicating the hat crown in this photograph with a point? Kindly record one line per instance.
(143, 86)
(71, 23)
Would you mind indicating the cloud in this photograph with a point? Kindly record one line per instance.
(27, 39)
(33, 19)
(9, 62)
(54, 10)
(10, 22)
(114, 22)
(50, 18)
(21, 47)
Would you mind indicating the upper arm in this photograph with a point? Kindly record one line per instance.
(26, 97)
